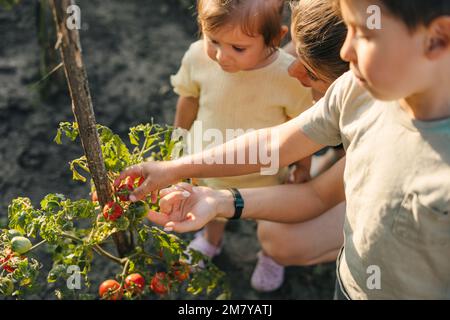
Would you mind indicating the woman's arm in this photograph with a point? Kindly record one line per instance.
(185, 208)
(294, 203)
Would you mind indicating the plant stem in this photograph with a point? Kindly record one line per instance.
(108, 255)
(37, 245)
(124, 272)
(97, 249)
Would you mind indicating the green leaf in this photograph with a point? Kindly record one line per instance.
(52, 202)
(56, 272)
(69, 129)
(81, 163)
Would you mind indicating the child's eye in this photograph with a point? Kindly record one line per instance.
(238, 49)
(213, 41)
(360, 36)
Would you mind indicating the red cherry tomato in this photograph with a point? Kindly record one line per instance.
(110, 290)
(181, 271)
(112, 211)
(160, 283)
(135, 283)
(123, 192)
(140, 181)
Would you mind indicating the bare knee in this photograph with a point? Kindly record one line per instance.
(278, 244)
(273, 243)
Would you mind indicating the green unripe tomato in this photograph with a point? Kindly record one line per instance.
(20, 245)
(139, 209)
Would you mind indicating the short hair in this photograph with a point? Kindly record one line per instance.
(415, 13)
(320, 33)
(255, 17)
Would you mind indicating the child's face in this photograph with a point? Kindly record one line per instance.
(236, 51)
(389, 62)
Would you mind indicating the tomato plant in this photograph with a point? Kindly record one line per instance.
(76, 231)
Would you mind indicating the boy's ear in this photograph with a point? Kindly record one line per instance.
(284, 32)
(438, 40)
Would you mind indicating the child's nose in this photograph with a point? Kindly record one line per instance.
(348, 51)
(221, 56)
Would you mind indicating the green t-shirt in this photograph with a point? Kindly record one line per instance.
(397, 185)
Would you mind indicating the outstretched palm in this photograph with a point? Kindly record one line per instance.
(185, 208)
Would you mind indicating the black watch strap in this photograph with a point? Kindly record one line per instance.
(238, 204)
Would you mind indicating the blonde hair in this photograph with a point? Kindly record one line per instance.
(255, 17)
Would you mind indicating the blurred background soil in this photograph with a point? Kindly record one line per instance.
(130, 49)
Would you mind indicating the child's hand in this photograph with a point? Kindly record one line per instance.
(300, 174)
(186, 208)
(157, 175)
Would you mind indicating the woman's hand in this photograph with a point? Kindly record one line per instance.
(157, 175)
(301, 173)
(186, 208)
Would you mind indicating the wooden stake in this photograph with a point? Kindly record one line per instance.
(70, 50)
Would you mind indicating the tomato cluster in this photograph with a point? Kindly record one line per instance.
(18, 246)
(134, 283)
(113, 210)
(5, 262)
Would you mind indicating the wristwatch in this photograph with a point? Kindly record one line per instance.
(238, 204)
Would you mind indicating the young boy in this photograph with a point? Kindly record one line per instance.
(392, 113)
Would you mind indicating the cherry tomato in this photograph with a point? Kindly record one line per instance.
(181, 271)
(123, 192)
(135, 283)
(110, 290)
(160, 283)
(112, 211)
(140, 181)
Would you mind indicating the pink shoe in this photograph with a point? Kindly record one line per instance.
(268, 275)
(202, 245)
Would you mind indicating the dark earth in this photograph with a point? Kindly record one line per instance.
(130, 49)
